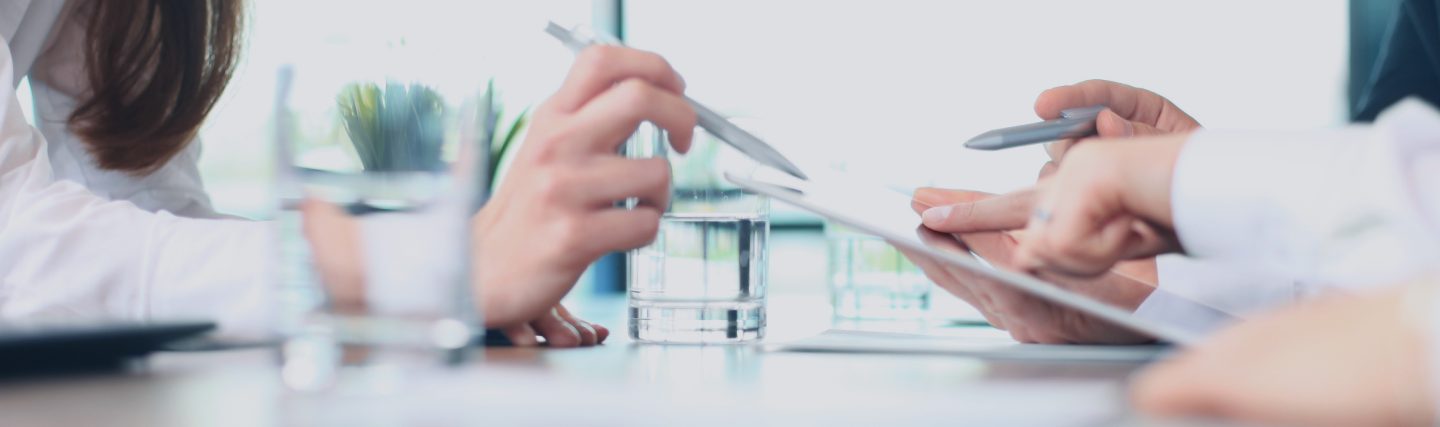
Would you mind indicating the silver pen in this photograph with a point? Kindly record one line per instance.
(708, 119)
(1073, 123)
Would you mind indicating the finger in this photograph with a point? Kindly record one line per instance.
(588, 335)
(995, 248)
(609, 119)
(973, 283)
(941, 276)
(1147, 241)
(1110, 125)
(1026, 256)
(1128, 101)
(928, 197)
(617, 229)
(598, 68)
(1056, 150)
(1092, 253)
(1047, 170)
(944, 278)
(1004, 212)
(557, 332)
(601, 332)
(521, 335)
(603, 180)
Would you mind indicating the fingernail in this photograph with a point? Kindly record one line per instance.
(936, 215)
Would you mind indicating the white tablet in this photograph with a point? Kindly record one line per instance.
(886, 213)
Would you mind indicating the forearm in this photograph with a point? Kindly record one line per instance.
(67, 253)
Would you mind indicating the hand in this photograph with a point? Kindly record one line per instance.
(1130, 112)
(555, 213)
(1344, 361)
(1027, 318)
(1108, 202)
(334, 237)
(559, 328)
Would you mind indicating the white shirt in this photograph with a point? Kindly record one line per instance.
(48, 45)
(1272, 217)
(66, 252)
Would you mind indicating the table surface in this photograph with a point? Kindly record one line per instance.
(619, 383)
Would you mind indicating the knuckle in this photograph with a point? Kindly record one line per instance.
(547, 147)
(649, 224)
(656, 172)
(1068, 250)
(598, 57)
(569, 230)
(551, 184)
(655, 61)
(635, 93)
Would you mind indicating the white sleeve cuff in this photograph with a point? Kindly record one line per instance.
(1179, 312)
(1229, 288)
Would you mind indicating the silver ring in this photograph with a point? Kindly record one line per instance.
(1040, 215)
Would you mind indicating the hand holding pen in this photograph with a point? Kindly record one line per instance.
(1131, 112)
(1089, 109)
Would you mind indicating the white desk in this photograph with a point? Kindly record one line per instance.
(619, 383)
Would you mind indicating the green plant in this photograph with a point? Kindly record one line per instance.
(399, 127)
(395, 128)
(500, 139)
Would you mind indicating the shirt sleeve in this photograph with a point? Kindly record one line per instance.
(1326, 208)
(66, 253)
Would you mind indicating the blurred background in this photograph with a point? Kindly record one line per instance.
(891, 88)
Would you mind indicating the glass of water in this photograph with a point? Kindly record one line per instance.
(871, 280)
(377, 178)
(703, 280)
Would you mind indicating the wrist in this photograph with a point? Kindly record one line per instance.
(1149, 170)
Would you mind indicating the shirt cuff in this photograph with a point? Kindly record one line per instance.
(1193, 317)
(1229, 288)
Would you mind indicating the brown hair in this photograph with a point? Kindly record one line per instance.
(155, 69)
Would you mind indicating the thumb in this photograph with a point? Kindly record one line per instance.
(1111, 125)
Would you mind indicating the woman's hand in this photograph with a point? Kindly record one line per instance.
(982, 222)
(1130, 112)
(556, 211)
(1345, 361)
(1109, 201)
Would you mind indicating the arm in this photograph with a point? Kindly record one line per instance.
(65, 252)
(1345, 206)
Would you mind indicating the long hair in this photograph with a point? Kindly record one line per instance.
(155, 69)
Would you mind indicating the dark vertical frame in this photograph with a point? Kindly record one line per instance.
(1369, 21)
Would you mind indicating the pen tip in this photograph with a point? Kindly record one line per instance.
(985, 142)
